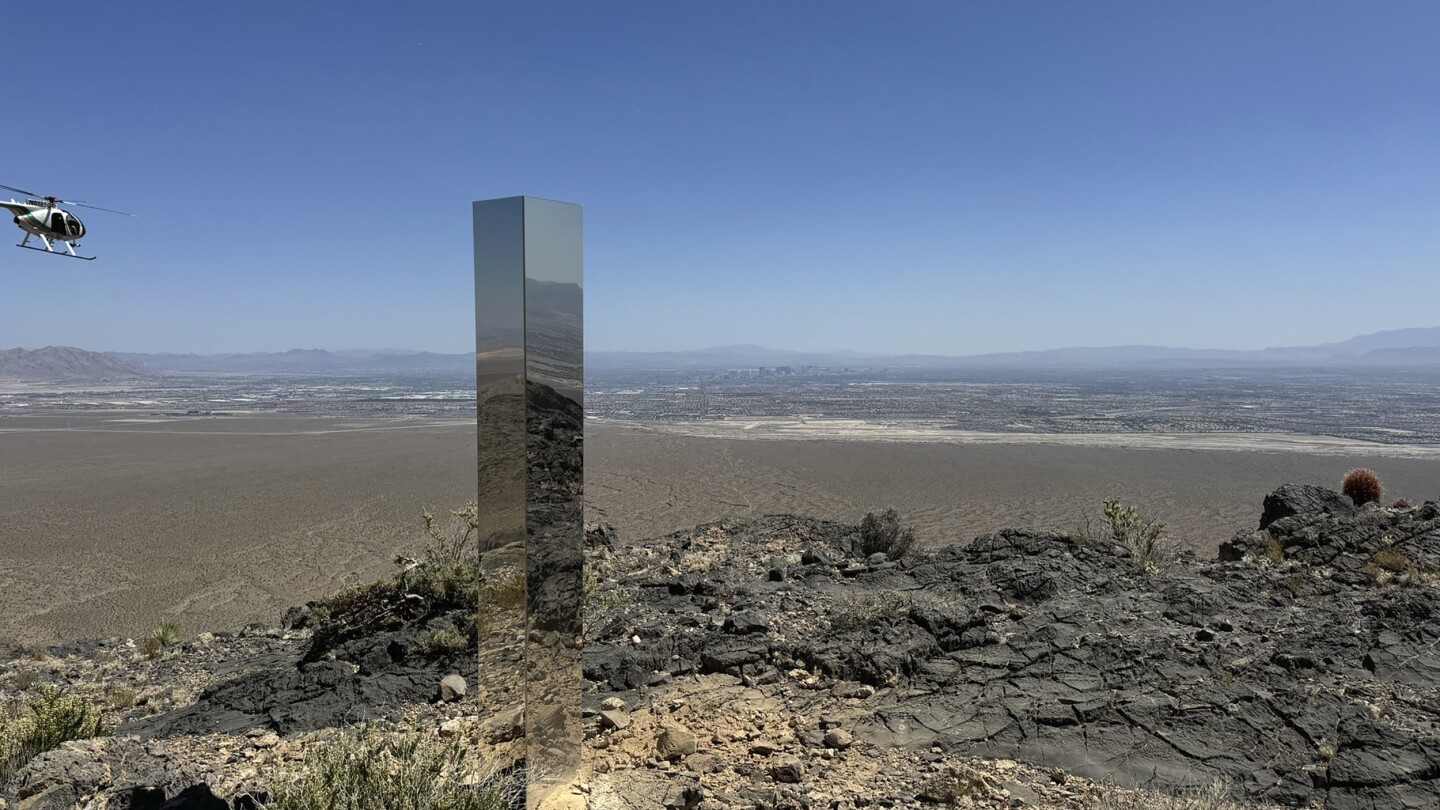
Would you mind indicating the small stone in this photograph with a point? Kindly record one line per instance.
(615, 719)
(763, 748)
(452, 688)
(613, 704)
(450, 728)
(789, 770)
(675, 742)
(839, 739)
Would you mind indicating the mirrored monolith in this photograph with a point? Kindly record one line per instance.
(530, 420)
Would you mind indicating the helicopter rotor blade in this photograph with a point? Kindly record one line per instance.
(19, 190)
(98, 208)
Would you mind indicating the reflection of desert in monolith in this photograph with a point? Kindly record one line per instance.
(554, 329)
(501, 456)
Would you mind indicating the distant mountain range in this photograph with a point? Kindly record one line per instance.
(1400, 347)
(304, 361)
(1419, 346)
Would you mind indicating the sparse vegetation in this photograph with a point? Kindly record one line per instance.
(884, 533)
(1389, 563)
(452, 546)
(167, 634)
(1402, 504)
(593, 598)
(442, 640)
(367, 770)
(447, 579)
(1151, 548)
(1274, 549)
(24, 680)
(122, 698)
(1296, 583)
(506, 589)
(29, 730)
(150, 647)
(1363, 486)
(851, 612)
(1214, 797)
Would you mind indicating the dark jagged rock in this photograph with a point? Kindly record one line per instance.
(124, 770)
(1304, 680)
(1304, 499)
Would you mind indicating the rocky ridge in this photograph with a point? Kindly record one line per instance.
(774, 664)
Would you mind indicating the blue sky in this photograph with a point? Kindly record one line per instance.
(895, 177)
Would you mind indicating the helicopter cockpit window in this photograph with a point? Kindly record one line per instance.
(73, 225)
(57, 222)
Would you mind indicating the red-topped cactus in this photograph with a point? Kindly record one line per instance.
(1363, 486)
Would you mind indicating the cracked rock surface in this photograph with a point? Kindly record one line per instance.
(1301, 670)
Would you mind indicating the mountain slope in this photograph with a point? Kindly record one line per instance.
(65, 363)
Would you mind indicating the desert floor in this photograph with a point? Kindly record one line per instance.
(111, 524)
(651, 481)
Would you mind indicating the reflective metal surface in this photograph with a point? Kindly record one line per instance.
(529, 350)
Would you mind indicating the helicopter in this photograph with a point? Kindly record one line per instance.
(42, 217)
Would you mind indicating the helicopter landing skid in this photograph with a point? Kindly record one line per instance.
(58, 253)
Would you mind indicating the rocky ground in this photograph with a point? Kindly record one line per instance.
(774, 663)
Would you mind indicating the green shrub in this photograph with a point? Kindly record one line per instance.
(368, 771)
(53, 718)
(1150, 547)
(1363, 486)
(884, 533)
(167, 634)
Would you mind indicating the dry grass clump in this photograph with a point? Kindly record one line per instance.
(506, 589)
(883, 533)
(1274, 549)
(122, 698)
(24, 680)
(150, 647)
(29, 730)
(442, 640)
(365, 771)
(860, 611)
(1363, 486)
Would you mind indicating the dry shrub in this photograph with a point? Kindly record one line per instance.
(1150, 547)
(366, 771)
(1363, 486)
(884, 533)
(1402, 504)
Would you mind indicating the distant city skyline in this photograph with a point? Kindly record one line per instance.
(892, 179)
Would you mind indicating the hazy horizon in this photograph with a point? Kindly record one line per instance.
(736, 343)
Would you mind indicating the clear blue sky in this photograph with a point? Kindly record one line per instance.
(901, 176)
